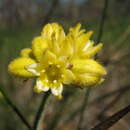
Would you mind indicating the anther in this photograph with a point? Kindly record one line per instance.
(58, 66)
(43, 71)
(50, 63)
(62, 75)
(70, 66)
(54, 81)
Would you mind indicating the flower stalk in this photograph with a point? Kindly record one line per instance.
(82, 109)
(15, 109)
(40, 110)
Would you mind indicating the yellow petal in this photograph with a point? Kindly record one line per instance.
(55, 47)
(53, 30)
(91, 52)
(18, 67)
(40, 86)
(47, 59)
(57, 91)
(88, 46)
(33, 68)
(39, 45)
(67, 48)
(83, 39)
(79, 39)
(101, 80)
(55, 35)
(26, 52)
(68, 76)
(88, 66)
(75, 31)
(47, 30)
(85, 80)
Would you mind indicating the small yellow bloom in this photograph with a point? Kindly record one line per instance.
(57, 58)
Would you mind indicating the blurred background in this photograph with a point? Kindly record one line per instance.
(21, 21)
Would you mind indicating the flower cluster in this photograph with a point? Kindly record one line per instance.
(57, 58)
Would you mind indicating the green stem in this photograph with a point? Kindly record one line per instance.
(122, 89)
(110, 121)
(83, 107)
(58, 115)
(60, 111)
(15, 109)
(56, 118)
(40, 110)
(102, 21)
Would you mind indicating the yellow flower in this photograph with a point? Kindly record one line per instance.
(57, 58)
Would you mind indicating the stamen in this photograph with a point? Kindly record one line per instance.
(43, 71)
(70, 66)
(54, 81)
(50, 63)
(58, 66)
(62, 75)
(46, 81)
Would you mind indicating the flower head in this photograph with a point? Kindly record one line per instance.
(56, 59)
